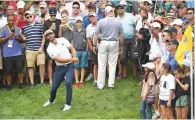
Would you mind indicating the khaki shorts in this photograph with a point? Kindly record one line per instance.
(32, 56)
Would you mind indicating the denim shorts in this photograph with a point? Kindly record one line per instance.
(83, 59)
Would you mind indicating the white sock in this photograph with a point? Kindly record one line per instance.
(157, 113)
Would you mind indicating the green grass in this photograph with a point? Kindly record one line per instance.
(122, 102)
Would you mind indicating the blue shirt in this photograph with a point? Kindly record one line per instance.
(184, 19)
(86, 20)
(171, 60)
(128, 22)
(15, 49)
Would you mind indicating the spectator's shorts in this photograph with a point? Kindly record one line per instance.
(83, 59)
(13, 64)
(128, 43)
(94, 58)
(1, 62)
(182, 101)
(32, 56)
(164, 102)
(45, 48)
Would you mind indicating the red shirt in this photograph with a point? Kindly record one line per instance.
(19, 21)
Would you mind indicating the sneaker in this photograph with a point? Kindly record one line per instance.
(155, 116)
(48, 103)
(111, 86)
(135, 77)
(32, 86)
(66, 108)
(8, 87)
(119, 77)
(43, 84)
(21, 86)
(81, 84)
(95, 83)
(76, 85)
(90, 77)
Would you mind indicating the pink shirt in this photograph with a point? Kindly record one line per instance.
(151, 82)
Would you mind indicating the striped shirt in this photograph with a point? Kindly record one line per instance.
(33, 35)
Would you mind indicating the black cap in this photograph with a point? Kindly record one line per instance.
(76, 3)
(52, 10)
(175, 42)
(190, 9)
(173, 29)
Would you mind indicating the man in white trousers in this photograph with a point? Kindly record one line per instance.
(111, 30)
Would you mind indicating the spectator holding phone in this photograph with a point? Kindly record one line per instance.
(53, 24)
(12, 51)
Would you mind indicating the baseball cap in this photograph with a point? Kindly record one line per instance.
(160, 20)
(175, 42)
(28, 12)
(177, 22)
(149, 1)
(156, 25)
(186, 62)
(172, 29)
(52, 2)
(149, 65)
(108, 9)
(79, 18)
(52, 10)
(183, 5)
(92, 14)
(43, 4)
(91, 5)
(20, 4)
(171, 15)
(122, 3)
(48, 32)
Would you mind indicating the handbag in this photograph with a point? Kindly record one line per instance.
(150, 98)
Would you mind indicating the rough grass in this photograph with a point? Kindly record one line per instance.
(122, 102)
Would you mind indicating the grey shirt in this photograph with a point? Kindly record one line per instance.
(68, 34)
(79, 39)
(110, 28)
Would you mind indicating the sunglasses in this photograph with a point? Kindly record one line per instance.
(75, 7)
(189, 13)
(29, 17)
(170, 44)
(52, 15)
(146, 4)
(120, 7)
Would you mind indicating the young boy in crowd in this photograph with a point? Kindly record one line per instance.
(80, 44)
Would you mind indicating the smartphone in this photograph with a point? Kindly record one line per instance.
(54, 24)
(13, 31)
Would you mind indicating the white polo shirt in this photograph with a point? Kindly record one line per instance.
(59, 50)
(3, 22)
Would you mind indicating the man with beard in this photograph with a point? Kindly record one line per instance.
(59, 50)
